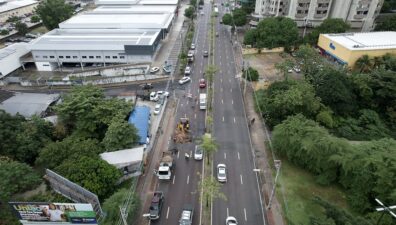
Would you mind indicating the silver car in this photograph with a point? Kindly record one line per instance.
(198, 153)
(221, 173)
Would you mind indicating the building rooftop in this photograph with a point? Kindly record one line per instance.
(118, 21)
(9, 57)
(116, 2)
(28, 104)
(123, 158)
(365, 41)
(93, 39)
(158, 2)
(135, 9)
(14, 4)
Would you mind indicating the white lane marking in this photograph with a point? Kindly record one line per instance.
(188, 179)
(234, 119)
(195, 115)
(221, 80)
(238, 156)
(231, 89)
(178, 153)
(229, 80)
(174, 177)
(244, 210)
(167, 213)
(232, 102)
(185, 115)
(241, 179)
(181, 105)
(225, 156)
(222, 102)
(223, 118)
(221, 89)
(187, 103)
(228, 213)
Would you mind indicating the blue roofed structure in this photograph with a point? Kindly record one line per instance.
(140, 117)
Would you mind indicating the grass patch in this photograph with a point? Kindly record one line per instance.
(299, 187)
(40, 29)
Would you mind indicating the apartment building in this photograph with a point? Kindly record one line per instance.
(360, 14)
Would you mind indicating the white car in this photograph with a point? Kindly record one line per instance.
(297, 69)
(221, 173)
(231, 221)
(184, 80)
(192, 46)
(163, 93)
(157, 109)
(187, 71)
(198, 153)
(154, 69)
(290, 70)
(154, 96)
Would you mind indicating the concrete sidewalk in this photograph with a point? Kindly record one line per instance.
(259, 136)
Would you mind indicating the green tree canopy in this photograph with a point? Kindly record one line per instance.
(239, 16)
(276, 32)
(21, 139)
(211, 190)
(250, 37)
(16, 177)
(4, 32)
(120, 135)
(227, 19)
(21, 28)
(251, 74)
(189, 12)
(209, 145)
(330, 25)
(71, 148)
(364, 64)
(388, 24)
(112, 205)
(92, 173)
(86, 111)
(53, 12)
(35, 19)
(286, 98)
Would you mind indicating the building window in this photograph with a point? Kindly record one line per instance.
(61, 56)
(114, 57)
(98, 57)
(91, 57)
(107, 57)
(37, 56)
(122, 57)
(45, 57)
(68, 57)
(75, 57)
(84, 57)
(52, 57)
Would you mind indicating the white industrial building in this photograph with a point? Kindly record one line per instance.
(10, 58)
(94, 46)
(136, 2)
(135, 9)
(360, 14)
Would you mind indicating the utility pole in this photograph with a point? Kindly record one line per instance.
(384, 209)
(305, 26)
(277, 166)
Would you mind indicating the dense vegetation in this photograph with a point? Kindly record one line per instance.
(89, 124)
(53, 12)
(340, 126)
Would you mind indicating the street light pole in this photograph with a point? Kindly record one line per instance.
(277, 166)
(384, 209)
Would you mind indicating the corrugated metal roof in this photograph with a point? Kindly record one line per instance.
(15, 4)
(365, 41)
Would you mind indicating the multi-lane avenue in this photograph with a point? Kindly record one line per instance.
(230, 131)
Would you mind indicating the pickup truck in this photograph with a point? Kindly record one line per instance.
(156, 205)
(187, 215)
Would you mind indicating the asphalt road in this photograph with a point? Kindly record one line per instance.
(183, 188)
(232, 134)
(230, 131)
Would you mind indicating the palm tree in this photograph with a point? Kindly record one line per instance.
(377, 62)
(211, 190)
(364, 64)
(209, 146)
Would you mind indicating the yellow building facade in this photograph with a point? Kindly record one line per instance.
(347, 48)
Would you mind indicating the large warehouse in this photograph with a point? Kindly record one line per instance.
(94, 46)
(346, 48)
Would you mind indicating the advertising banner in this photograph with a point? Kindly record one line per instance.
(65, 213)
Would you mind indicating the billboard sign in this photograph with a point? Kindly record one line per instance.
(65, 213)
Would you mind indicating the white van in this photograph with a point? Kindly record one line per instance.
(202, 101)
